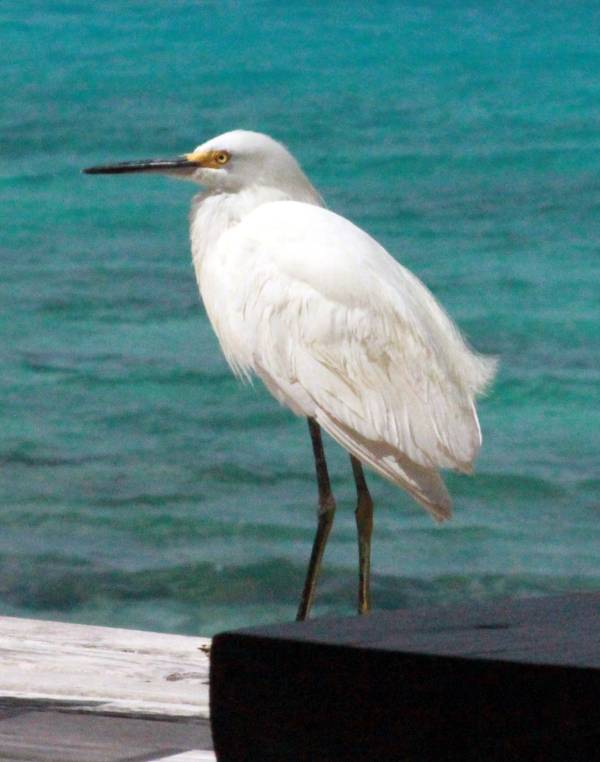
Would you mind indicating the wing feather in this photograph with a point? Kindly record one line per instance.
(340, 331)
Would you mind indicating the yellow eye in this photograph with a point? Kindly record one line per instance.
(221, 157)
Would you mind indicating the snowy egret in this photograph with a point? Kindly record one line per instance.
(336, 329)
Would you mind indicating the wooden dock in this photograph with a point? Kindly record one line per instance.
(511, 681)
(74, 693)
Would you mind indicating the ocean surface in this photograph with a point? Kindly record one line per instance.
(141, 485)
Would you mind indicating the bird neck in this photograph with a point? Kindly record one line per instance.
(214, 213)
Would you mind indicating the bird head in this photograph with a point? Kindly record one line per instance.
(230, 162)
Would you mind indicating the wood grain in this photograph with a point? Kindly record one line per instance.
(104, 669)
(75, 693)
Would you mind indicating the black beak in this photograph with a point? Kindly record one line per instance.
(148, 165)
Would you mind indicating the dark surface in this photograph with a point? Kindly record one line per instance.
(48, 731)
(517, 680)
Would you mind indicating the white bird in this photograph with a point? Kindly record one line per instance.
(336, 328)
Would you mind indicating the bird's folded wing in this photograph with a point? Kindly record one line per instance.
(341, 331)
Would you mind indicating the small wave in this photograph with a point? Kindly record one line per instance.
(393, 593)
(48, 583)
(591, 485)
(22, 457)
(490, 485)
(114, 369)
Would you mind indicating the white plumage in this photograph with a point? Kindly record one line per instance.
(337, 329)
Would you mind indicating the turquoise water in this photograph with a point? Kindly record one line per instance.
(140, 484)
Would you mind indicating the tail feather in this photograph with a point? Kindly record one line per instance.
(424, 484)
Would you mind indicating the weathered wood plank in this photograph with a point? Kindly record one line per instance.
(76, 693)
(45, 734)
(103, 669)
(189, 756)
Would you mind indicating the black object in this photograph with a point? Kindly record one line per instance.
(516, 680)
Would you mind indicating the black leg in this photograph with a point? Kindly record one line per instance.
(325, 518)
(364, 526)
